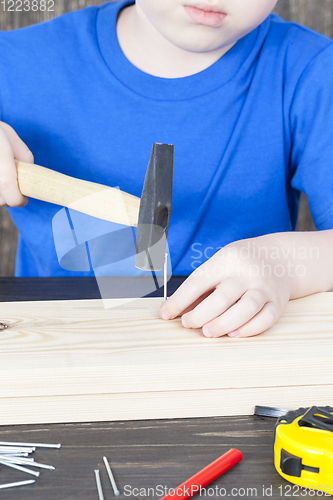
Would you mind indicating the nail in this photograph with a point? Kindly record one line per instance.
(185, 324)
(235, 333)
(208, 332)
(20, 483)
(166, 315)
(28, 461)
(18, 467)
(112, 481)
(165, 268)
(6, 449)
(30, 445)
(99, 485)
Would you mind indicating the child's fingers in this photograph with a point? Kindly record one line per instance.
(223, 297)
(8, 183)
(9, 189)
(193, 287)
(266, 318)
(238, 315)
(20, 149)
(196, 302)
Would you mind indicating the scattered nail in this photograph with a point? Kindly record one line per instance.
(14, 449)
(20, 483)
(30, 445)
(112, 481)
(166, 315)
(235, 333)
(208, 332)
(18, 467)
(27, 461)
(99, 485)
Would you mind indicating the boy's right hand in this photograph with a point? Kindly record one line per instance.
(11, 147)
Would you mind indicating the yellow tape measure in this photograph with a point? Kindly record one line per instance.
(303, 448)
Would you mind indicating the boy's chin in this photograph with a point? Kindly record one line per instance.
(202, 44)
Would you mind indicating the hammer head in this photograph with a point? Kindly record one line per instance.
(155, 209)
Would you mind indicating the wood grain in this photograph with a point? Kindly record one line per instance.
(117, 360)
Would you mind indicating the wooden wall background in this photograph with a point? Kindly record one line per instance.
(316, 14)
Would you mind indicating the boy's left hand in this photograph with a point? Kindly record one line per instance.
(239, 292)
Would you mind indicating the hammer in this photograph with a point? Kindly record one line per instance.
(150, 213)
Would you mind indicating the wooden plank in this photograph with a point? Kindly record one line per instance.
(158, 405)
(65, 361)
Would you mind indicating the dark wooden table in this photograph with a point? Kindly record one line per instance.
(143, 454)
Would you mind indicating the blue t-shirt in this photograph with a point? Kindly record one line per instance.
(250, 133)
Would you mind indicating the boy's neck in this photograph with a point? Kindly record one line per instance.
(149, 51)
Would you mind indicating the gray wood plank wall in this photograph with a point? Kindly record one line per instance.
(316, 14)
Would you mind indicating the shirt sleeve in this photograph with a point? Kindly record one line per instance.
(311, 121)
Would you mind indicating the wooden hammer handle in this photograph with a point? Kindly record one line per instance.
(90, 198)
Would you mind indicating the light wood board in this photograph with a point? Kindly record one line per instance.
(77, 361)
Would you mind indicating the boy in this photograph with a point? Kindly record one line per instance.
(246, 99)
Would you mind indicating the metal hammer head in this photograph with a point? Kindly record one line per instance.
(155, 209)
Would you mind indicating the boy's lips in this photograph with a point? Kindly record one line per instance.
(206, 17)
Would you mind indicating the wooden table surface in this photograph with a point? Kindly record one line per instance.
(146, 456)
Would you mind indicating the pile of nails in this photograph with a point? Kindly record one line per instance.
(16, 456)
